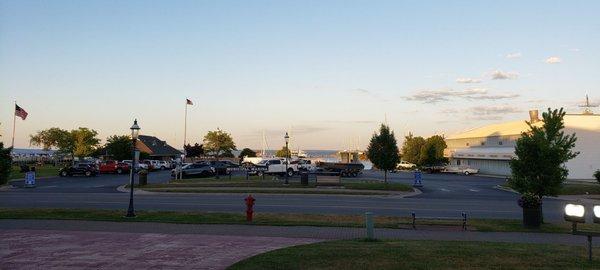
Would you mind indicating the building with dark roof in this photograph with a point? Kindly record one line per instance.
(157, 148)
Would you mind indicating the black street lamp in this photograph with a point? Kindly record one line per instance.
(287, 153)
(135, 131)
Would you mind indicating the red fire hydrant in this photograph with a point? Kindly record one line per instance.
(249, 207)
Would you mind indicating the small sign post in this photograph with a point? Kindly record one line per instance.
(418, 178)
(30, 179)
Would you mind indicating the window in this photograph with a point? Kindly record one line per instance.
(482, 143)
(275, 162)
(500, 143)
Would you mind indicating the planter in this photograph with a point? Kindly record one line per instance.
(532, 217)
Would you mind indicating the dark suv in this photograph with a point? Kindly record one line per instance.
(222, 165)
(86, 169)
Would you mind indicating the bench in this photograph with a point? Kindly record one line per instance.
(328, 179)
(462, 221)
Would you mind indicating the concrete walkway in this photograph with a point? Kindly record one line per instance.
(303, 232)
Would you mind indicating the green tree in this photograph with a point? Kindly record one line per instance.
(54, 137)
(79, 142)
(539, 170)
(218, 142)
(193, 151)
(119, 147)
(85, 141)
(144, 155)
(411, 149)
(432, 151)
(247, 152)
(283, 152)
(5, 163)
(383, 150)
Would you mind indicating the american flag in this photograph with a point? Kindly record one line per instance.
(188, 102)
(20, 112)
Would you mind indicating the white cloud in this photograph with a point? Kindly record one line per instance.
(574, 50)
(513, 55)
(494, 110)
(501, 75)
(553, 60)
(468, 80)
(434, 96)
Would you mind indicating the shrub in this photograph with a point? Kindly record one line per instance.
(597, 175)
(5, 163)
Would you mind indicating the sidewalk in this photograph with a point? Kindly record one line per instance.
(306, 232)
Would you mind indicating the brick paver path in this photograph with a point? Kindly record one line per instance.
(59, 249)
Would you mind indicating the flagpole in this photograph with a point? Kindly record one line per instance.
(185, 127)
(14, 125)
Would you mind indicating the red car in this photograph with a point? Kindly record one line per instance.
(112, 166)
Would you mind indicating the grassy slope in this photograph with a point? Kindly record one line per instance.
(255, 182)
(273, 219)
(42, 171)
(356, 254)
(575, 188)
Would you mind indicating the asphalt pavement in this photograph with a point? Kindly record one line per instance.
(444, 195)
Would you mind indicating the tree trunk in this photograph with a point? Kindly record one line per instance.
(385, 176)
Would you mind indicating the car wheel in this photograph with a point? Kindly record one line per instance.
(467, 173)
(64, 174)
(163, 168)
(88, 173)
(260, 174)
(119, 171)
(290, 172)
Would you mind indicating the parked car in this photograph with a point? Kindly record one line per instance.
(149, 165)
(86, 169)
(220, 166)
(436, 168)
(461, 169)
(163, 165)
(277, 166)
(112, 166)
(194, 170)
(138, 166)
(405, 165)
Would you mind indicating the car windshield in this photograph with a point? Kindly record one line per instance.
(263, 162)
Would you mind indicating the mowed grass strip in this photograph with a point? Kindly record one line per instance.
(256, 182)
(40, 171)
(279, 219)
(575, 188)
(381, 255)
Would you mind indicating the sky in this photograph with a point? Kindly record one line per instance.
(330, 72)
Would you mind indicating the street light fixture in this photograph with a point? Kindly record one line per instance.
(575, 213)
(135, 132)
(287, 153)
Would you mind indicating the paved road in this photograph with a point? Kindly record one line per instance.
(443, 196)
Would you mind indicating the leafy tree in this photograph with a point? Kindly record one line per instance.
(85, 141)
(218, 142)
(283, 152)
(383, 150)
(119, 147)
(411, 149)
(5, 163)
(247, 152)
(196, 150)
(432, 151)
(78, 142)
(539, 169)
(54, 137)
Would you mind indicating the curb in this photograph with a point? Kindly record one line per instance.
(499, 187)
(138, 191)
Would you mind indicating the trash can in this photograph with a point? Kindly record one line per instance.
(304, 179)
(143, 178)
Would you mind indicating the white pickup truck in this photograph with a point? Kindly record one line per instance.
(277, 166)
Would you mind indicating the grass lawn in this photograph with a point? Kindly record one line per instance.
(381, 255)
(257, 182)
(486, 225)
(579, 189)
(576, 188)
(40, 171)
